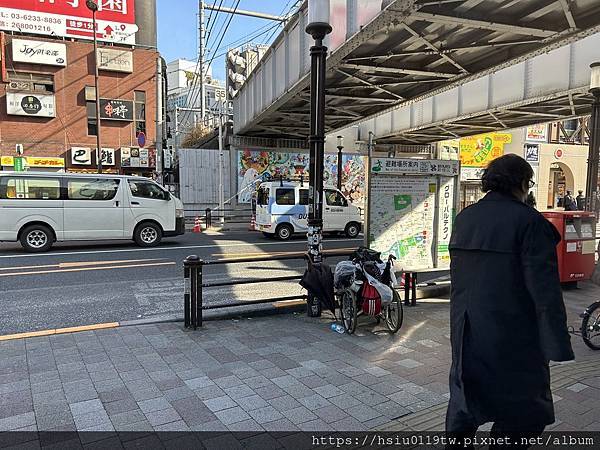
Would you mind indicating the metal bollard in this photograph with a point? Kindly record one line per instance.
(208, 218)
(192, 268)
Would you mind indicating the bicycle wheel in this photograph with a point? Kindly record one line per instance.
(394, 314)
(349, 311)
(590, 326)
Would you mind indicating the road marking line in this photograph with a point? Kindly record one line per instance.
(86, 269)
(78, 264)
(163, 249)
(99, 326)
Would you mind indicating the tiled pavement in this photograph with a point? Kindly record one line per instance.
(282, 373)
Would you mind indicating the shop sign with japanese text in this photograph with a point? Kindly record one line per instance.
(116, 110)
(532, 152)
(415, 166)
(537, 133)
(35, 161)
(108, 156)
(71, 18)
(39, 52)
(22, 104)
(81, 156)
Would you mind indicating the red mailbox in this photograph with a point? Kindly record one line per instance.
(577, 249)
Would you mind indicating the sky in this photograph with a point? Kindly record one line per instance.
(178, 28)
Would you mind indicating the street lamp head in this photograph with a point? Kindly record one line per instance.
(91, 5)
(318, 19)
(340, 142)
(595, 79)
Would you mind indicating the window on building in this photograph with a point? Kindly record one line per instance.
(30, 188)
(285, 197)
(92, 189)
(92, 123)
(30, 82)
(147, 189)
(140, 112)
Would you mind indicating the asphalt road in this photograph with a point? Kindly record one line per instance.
(85, 283)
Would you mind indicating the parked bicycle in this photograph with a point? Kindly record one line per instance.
(590, 326)
(359, 292)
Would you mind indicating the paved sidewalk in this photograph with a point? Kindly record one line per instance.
(283, 373)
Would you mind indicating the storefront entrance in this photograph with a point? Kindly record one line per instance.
(470, 193)
(560, 181)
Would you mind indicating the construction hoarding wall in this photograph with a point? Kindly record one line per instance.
(199, 178)
(411, 210)
(256, 165)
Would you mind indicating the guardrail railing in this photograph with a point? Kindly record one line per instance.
(195, 284)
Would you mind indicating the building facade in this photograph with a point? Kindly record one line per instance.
(559, 161)
(48, 98)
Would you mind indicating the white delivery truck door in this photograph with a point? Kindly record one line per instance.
(94, 208)
(150, 202)
(335, 214)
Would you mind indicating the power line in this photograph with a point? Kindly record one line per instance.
(212, 26)
(220, 42)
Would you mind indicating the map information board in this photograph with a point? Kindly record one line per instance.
(402, 218)
(410, 216)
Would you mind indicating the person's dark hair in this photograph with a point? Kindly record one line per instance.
(506, 174)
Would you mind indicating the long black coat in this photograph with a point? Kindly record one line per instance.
(508, 318)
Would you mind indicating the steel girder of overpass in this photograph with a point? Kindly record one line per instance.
(409, 51)
(547, 88)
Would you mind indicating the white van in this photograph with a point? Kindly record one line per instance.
(39, 209)
(282, 210)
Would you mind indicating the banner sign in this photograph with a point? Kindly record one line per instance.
(414, 166)
(115, 60)
(20, 104)
(81, 156)
(479, 151)
(34, 161)
(39, 52)
(71, 18)
(116, 110)
(446, 219)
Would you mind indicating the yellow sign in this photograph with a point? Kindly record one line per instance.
(479, 151)
(35, 161)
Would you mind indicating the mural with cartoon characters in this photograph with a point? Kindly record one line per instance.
(255, 166)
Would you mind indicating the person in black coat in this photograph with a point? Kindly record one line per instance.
(507, 314)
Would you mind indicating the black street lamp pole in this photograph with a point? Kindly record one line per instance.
(594, 150)
(340, 164)
(93, 7)
(318, 27)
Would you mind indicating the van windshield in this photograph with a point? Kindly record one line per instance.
(263, 196)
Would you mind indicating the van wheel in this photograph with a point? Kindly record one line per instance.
(284, 232)
(352, 230)
(147, 234)
(37, 238)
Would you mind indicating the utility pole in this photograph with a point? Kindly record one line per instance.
(201, 44)
(176, 133)
(92, 5)
(221, 188)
